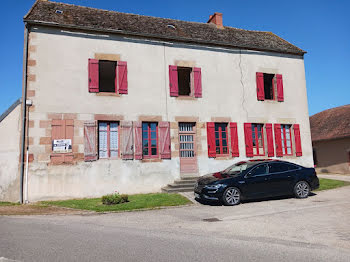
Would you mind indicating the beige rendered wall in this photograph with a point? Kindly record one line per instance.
(58, 86)
(333, 156)
(9, 155)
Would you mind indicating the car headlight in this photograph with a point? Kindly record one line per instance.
(214, 187)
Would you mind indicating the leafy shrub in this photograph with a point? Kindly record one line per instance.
(113, 199)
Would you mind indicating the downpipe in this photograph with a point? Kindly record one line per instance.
(24, 112)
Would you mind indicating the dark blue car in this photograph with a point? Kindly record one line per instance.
(256, 179)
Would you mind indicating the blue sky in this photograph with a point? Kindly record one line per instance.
(319, 27)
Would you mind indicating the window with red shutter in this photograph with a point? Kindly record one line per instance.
(108, 76)
(286, 140)
(150, 140)
(269, 138)
(258, 139)
(280, 95)
(221, 135)
(197, 76)
(211, 139)
(234, 140)
(260, 86)
(297, 139)
(278, 140)
(185, 81)
(248, 139)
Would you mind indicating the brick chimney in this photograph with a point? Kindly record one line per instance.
(216, 19)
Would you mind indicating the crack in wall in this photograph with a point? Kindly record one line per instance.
(240, 67)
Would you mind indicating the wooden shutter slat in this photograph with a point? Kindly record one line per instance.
(234, 139)
(280, 95)
(164, 140)
(269, 137)
(90, 141)
(138, 139)
(93, 76)
(297, 140)
(248, 139)
(173, 81)
(211, 139)
(123, 77)
(197, 75)
(260, 86)
(127, 140)
(278, 140)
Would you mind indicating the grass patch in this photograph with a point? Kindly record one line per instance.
(326, 184)
(8, 204)
(139, 201)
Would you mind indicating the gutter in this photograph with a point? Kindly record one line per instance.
(24, 110)
(180, 39)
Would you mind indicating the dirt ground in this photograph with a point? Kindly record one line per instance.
(36, 210)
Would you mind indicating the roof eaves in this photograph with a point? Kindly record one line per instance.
(10, 109)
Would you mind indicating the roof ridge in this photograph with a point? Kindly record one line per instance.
(149, 16)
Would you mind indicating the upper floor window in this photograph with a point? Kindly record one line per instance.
(269, 87)
(150, 139)
(108, 76)
(185, 81)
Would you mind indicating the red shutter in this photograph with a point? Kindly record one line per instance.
(248, 139)
(297, 139)
(90, 141)
(269, 137)
(127, 140)
(122, 77)
(173, 81)
(164, 140)
(138, 139)
(197, 75)
(234, 139)
(280, 96)
(278, 140)
(260, 86)
(93, 76)
(211, 139)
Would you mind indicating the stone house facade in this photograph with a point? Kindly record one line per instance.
(131, 103)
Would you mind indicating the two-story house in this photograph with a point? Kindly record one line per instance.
(131, 103)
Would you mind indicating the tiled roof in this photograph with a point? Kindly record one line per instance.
(85, 18)
(331, 124)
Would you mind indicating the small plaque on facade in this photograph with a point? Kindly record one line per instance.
(62, 145)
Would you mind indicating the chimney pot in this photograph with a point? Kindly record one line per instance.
(216, 19)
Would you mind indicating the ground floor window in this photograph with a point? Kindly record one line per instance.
(221, 138)
(108, 139)
(186, 134)
(286, 138)
(150, 139)
(258, 139)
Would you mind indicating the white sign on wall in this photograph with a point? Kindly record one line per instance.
(62, 145)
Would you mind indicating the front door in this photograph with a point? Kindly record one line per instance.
(188, 158)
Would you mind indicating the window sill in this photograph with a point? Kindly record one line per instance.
(270, 101)
(107, 94)
(186, 98)
(151, 160)
(223, 157)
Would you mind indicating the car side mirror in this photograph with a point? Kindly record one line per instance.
(249, 174)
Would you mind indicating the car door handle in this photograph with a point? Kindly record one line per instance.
(265, 179)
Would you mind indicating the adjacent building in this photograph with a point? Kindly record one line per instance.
(130, 103)
(330, 132)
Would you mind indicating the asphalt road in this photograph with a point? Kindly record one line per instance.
(314, 229)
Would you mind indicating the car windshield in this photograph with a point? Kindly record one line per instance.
(237, 168)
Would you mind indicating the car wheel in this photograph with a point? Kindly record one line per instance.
(301, 189)
(231, 196)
